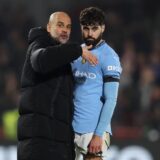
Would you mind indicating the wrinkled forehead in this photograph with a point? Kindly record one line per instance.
(61, 17)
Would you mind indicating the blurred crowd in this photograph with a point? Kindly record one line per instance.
(132, 29)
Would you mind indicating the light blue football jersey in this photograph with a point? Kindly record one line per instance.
(88, 89)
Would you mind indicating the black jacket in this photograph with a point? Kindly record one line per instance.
(44, 127)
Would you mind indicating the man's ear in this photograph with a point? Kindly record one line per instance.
(48, 27)
(103, 28)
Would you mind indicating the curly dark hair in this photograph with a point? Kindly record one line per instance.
(92, 16)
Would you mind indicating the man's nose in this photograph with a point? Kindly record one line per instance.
(90, 32)
(65, 29)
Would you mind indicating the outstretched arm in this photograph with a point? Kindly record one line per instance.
(44, 60)
(47, 59)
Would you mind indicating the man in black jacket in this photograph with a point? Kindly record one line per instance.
(44, 126)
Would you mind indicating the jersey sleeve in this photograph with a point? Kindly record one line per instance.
(111, 67)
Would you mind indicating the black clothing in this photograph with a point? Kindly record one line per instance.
(46, 107)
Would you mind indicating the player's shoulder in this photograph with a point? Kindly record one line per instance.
(109, 54)
(108, 50)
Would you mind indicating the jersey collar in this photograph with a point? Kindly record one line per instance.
(98, 45)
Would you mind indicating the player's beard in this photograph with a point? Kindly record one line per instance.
(92, 41)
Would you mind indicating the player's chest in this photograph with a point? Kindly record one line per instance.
(85, 69)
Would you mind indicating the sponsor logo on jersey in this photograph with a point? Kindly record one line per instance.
(85, 74)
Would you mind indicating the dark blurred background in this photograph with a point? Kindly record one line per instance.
(132, 29)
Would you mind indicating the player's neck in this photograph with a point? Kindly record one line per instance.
(99, 42)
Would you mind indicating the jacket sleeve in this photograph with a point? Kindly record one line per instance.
(44, 60)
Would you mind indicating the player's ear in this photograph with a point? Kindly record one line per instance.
(103, 28)
(81, 27)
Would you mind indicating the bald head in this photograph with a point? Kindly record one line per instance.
(56, 15)
(59, 26)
